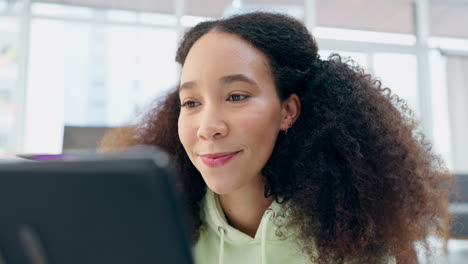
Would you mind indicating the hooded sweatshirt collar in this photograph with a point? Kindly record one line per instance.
(216, 221)
(276, 215)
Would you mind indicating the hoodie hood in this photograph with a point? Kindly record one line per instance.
(216, 220)
(275, 241)
(266, 234)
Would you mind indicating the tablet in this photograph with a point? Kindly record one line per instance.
(120, 209)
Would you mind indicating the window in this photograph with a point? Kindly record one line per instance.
(93, 73)
(399, 73)
(196, 10)
(10, 5)
(374, 15)
(449, 19)
(9, 27)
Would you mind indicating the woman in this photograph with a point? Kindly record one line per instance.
(288, 158)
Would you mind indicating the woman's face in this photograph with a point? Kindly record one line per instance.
(230, 114)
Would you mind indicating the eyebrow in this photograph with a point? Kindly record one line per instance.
(224, 80)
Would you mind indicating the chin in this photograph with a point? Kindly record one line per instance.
(220, 188)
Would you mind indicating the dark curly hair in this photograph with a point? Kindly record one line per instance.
(362, 182)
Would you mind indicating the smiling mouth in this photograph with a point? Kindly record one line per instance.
(218, 159)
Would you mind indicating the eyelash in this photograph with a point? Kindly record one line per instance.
(245, 97)
(187, 103)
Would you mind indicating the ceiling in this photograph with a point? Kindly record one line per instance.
(447, 17)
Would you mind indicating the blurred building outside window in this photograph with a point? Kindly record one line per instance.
(11, 6)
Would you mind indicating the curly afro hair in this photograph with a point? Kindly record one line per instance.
(362, 182)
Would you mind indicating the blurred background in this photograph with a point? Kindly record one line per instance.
(70, 69)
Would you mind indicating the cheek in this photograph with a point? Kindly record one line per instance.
(186, 133)
(261, 126)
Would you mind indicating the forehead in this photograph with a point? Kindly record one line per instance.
(218, 54)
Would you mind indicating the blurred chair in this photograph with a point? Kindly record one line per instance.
(459, 208)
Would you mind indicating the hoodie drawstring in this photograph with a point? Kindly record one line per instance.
(221, 231)
(270, 212)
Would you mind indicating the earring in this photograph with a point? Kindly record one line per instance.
(286, 131)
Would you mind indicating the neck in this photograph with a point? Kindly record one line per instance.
(245, 207)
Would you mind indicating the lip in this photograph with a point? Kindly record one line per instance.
(218, 159)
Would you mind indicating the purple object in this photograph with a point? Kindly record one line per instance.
(52, 157)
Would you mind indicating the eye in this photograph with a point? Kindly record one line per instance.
(190, 104)
(237, 97)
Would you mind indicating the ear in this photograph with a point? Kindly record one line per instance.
(290, 110)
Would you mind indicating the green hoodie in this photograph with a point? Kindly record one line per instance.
(221, 243)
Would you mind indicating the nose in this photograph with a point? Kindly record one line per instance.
(212, 124)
